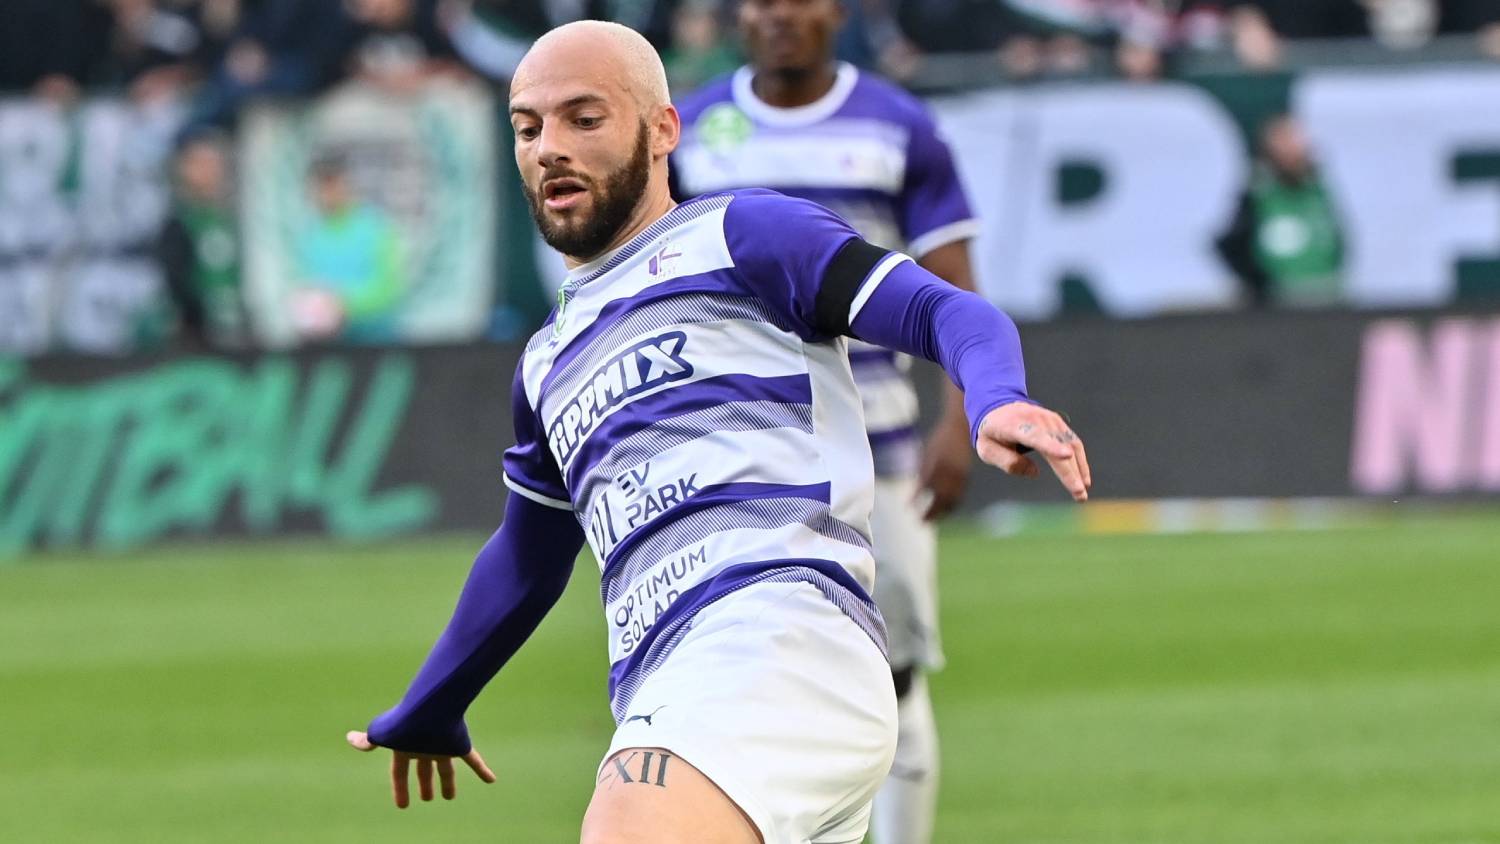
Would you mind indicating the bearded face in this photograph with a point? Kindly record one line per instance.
(580, 215)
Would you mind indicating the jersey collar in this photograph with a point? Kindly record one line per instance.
(818, 110)
(695, 207)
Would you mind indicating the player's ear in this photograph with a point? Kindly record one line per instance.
(666, 130)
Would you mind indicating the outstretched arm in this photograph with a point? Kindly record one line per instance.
(814, 271)
(516, 579)
(899, 305)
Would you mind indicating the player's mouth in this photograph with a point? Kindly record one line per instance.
(563, 193)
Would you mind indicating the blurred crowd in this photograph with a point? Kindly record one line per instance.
(209, 58)
(1143, 39)
(228, 50)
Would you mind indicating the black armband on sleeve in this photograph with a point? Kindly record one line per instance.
(840, 284)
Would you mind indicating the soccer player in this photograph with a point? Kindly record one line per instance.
(799, 122)
(689, 410)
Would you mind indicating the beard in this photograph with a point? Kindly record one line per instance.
(613, 204)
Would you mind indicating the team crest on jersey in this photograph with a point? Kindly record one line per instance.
(644, 366)
(723, 127)
(663, 264)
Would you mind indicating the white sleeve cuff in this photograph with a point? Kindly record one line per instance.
(533, 495)
(873, 280)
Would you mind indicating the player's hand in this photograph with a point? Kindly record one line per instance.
(401, 769)
(945, 467)
(1010, 430)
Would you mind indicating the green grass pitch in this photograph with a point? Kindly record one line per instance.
(1333, 686)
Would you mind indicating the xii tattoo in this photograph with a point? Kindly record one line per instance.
(651, 770)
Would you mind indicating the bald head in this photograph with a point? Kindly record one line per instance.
(607, 53)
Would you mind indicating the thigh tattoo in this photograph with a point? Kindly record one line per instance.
(652, 769)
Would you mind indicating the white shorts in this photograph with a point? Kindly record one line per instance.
(906, 574)
(785, 703)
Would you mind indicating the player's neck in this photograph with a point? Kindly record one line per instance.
(791, 88)
(657, 203)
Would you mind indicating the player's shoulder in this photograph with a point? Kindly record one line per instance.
(760, 223)
(761, 208)
(875, 96)
(692, 105)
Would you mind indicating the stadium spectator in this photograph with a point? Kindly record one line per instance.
(1258, 27)
(1404, 24)
(903, 32)
(279, 48)
(1286, 242)
(199, 248)
(216, 22)
(492, 35)
(398, 43)
(348, 261)
(152, 49)
(492, 41)
(949, 26)
(1477, 17)
(1314, 18)
(1200, 25)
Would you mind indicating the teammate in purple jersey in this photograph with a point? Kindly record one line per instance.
(689, 411)
(797, 121)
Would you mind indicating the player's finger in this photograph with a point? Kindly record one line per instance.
(1083, 462)
(445, 776)
(476, 764)
(1068, 473)
(399, 790)
(424, 779)
(1005, 458)
(1053, 441)
(359, 741)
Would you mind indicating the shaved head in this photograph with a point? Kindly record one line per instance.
(614, 54)
(593, 127)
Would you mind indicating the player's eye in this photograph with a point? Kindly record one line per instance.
(528, 133)
(589, 122)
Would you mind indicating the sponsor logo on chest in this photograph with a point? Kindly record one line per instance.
(640, 368)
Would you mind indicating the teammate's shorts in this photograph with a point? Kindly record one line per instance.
(785, 703)
(906, 574)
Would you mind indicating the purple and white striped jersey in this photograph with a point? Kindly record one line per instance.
(867, 150)
(685, 404)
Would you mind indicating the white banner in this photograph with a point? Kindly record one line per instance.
(1389, 145)
(82, 197)
(1173, 166)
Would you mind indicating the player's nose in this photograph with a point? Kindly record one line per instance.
(551, 147)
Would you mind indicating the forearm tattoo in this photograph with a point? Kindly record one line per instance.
(650, 770)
